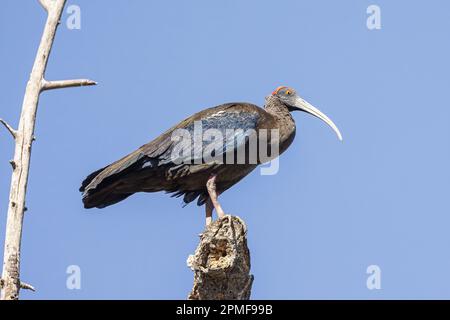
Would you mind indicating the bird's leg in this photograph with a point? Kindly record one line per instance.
(208, 209)
(211, 186)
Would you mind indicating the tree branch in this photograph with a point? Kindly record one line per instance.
(221, 263)
(9, 128)
(45, 4)
(51, 85)
(27, 286)
(22, 155)
(23, 285)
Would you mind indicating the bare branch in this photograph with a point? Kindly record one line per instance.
(27, 286)
(45, 4)
(9, 128)
(50, 85)
(23, 285)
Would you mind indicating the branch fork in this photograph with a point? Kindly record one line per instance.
(23, 285)
(46, 4)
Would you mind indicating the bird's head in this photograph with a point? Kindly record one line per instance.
(290, 98)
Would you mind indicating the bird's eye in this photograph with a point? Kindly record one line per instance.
(288, 92)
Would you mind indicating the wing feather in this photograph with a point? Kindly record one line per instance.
(159, 155)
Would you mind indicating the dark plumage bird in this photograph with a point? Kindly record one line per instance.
(177, 162)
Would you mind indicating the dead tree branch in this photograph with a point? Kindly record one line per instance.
(23, 285)
(45, 4)
(221, 263)
(50, 85)
(24, 137)
(9, 128)
(27, 286)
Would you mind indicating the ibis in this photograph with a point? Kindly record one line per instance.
(177, 162)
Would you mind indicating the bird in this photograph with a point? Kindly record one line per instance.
(177, 163)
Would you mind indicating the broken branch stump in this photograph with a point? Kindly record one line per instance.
(221, 262)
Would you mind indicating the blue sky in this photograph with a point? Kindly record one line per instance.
(378, 198)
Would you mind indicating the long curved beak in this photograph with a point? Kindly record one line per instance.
(303, 105)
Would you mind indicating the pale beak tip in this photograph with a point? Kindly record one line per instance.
(307, 107)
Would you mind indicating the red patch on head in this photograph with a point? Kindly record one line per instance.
(278, 89)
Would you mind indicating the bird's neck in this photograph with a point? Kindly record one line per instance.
(283, 121)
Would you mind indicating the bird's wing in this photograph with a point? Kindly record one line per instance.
(160, 151)
(219, 130)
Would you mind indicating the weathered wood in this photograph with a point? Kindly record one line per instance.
(24, 137)
(9, 128)
(60, 84)
(221, 262)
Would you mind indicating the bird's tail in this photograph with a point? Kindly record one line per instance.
(103, 187)
(100, 190)
(118, 181)
(103, 198)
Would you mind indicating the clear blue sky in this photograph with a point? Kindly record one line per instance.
(380, 197)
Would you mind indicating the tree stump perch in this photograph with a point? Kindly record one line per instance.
(221, 262)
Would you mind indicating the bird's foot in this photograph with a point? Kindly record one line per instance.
(210, 220)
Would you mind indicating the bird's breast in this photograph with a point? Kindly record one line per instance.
(280, 134)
